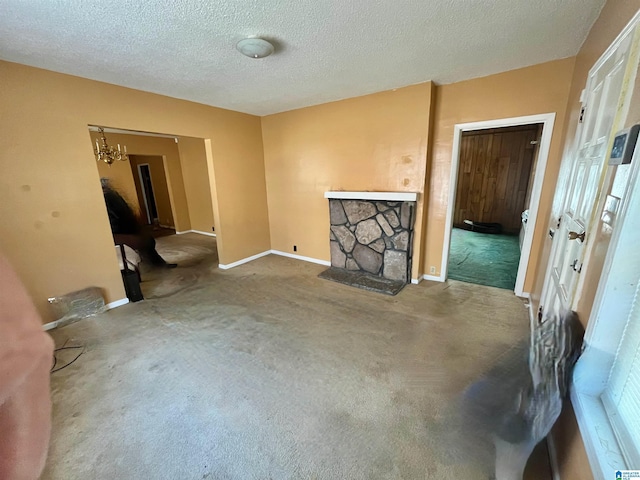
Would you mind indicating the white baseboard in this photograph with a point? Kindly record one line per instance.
(300, 257)
(274, 252)
(117, 303)
(416, 281)
(244, 260)
(50, 325)
(109, 306)
(199, 232)
(432, 278)
(553, 457)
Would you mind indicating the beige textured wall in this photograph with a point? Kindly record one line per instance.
(542, 88)
(55, 229)
(376, 142)
(195, 174)
(615, 15)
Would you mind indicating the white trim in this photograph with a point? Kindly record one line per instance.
(433, 278)
(598, 437)
(93, 128)
(416, 281)
(548, 120)
(117, 303)
(109, 306)
(243, 261)
(532, 316)
(300, 257)
(50, 325)
(616, 43)
(208, 234)
(553, 457)
(199, 232)
(389, 196)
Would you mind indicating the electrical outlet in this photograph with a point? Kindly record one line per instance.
(295, 248)
(432, 270)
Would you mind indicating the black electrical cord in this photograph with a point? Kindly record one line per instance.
(55, 359)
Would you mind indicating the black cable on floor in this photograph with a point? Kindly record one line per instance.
(55, 359)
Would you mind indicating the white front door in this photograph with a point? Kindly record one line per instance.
(604, 97)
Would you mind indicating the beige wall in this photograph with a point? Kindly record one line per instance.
(55, 229)
(615, 15)
(376, 142)
(197, 183)
(532, 90)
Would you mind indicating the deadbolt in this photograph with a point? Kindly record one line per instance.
(575, 235)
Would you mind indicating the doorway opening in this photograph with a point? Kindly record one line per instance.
(154, 200)
(148, 195)
(496, 179)
(165, 189)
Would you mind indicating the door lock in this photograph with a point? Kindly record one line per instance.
(575, 235)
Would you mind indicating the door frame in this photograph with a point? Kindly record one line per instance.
(144, 190)
(547, 120)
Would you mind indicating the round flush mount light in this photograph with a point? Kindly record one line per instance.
(255, 47)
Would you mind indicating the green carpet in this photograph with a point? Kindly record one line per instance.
(484, 259)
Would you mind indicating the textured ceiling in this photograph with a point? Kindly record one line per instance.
(325, 49)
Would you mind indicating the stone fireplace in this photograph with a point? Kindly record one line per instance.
(371, 235)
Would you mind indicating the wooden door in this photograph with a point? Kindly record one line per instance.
(494, 175)
(601, 118)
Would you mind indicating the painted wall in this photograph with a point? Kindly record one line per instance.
(176, 203)
(615, 15)
(55, 229)
(376, 142)
(159, 184)
(196, 183)
(542, 88)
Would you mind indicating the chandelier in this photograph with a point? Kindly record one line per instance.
(109, 154)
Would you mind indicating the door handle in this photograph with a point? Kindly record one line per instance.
(575, 235)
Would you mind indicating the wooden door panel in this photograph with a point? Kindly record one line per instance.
(494, 176)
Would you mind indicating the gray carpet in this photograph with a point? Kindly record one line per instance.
(266, 371)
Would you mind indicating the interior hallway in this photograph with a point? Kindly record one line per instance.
(266, 371)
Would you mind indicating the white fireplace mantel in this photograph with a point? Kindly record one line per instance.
(388, 196)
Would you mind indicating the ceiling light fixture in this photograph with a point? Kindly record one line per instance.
(255, 47)
(107, 153)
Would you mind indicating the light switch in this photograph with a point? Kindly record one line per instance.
(610, 210)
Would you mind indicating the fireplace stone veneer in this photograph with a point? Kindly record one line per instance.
(372, 235)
